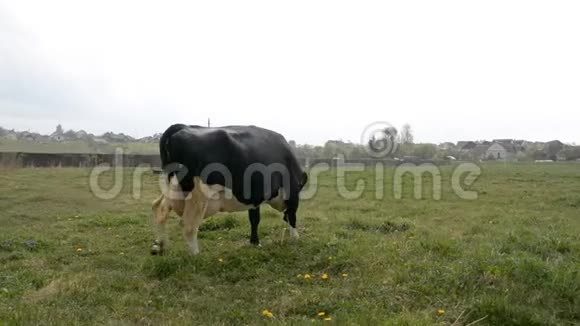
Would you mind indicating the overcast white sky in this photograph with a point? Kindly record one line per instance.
(312, 70)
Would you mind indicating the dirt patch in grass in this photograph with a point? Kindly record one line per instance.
(44, 293)
(383, 227)
(55, 287)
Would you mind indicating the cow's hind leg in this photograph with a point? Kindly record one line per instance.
(290, 216)
(254, 215)
(161, 210)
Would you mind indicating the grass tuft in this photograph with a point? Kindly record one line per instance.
(220, 224)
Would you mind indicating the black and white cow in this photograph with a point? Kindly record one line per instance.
(226, 169)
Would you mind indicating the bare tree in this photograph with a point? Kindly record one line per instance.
(406, 135)
(384, 139)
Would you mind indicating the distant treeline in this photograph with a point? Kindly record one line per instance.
(403, 147)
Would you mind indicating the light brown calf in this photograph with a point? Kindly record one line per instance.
(204, 201)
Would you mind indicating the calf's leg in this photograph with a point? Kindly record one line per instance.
(193, 215)
(161, 210)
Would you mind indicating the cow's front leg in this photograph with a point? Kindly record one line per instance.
(193, 215)
(254, 215)
(290, 216)
(161, 210)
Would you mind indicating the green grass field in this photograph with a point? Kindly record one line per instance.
(511, 257)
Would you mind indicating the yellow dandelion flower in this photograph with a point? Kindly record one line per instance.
(345, 275)
(325, 276)
(221, 260)
(328, 319)
(267, 313)
(79, 249)
(440, 312)
(322, 313)
(307, 277)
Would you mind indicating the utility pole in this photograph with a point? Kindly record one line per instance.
(208, 123)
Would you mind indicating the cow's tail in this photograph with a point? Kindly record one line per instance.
(165, 148)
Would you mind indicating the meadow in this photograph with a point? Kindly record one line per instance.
(510, 257)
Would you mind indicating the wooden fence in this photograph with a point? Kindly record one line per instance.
(20, 159)
(75, 160)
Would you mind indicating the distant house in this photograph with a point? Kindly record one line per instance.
(446, 146)
(28, 136)
(523, 145)
(538, 145)
(479, 152)
(58, 134)
(570, 153)
(553, 148)
(503, 141)
(58, 138)
(503, 151)
(466, 146)
(117, 138)
(81, 134)
(150, 139)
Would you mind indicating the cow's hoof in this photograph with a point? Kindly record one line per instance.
(294, 234)
(157, 248)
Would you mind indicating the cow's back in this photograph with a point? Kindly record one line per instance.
(237, 148)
